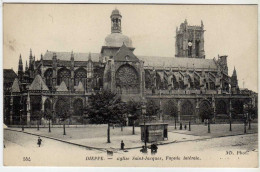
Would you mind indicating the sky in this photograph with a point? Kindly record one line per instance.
(230, 30)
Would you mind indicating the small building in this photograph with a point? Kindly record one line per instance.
(154, 132)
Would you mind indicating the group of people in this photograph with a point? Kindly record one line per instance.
(153, 148)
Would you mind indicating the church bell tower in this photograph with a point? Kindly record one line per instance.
(190, 41)
(116, 21)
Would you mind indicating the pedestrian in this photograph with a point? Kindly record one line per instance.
(154, 149)
(185, 126)
(122, 145)
(39, 141)
(144, 149)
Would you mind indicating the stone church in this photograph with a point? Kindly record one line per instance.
(187, 82)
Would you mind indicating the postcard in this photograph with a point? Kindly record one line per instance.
(130, 85)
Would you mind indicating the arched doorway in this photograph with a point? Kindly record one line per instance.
(205, 111)
(62, 106)
(170, 110)
(47, 105)
(221, 107)
(78, 107)
(187, 110)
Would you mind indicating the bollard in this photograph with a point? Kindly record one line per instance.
(245, 128)
(230, 126)
(208, 127)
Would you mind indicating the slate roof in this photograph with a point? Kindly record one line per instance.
(62, 87)
(123, 52)
(67, 55)
(15, 86)
(149, 61)
(38, 84)
(173, 62)
(9, 75)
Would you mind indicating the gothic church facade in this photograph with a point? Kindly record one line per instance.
(64, 80)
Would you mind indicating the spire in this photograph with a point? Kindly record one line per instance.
(30, 58)
(26, 66)
(89, 56)
(234, 72)
(72, 56)
(202, 25)
(20, 65)
(41, 57)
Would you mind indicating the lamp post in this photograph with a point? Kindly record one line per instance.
(143, 114)
(230, 120)
(245, 106)
(21, 119)
(245, 116)
(249, 116)
(208, 126)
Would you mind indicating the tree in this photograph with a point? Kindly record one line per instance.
(63, 117)
(134, 109)
(252, 113)
(106, 107)
(152, 109)
(48, 116)
(171, 110)
(38, 116)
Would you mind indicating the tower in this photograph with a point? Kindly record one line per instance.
(115, 39)
(20, 68)
(234, 82)
(115, 21)
(190, 41)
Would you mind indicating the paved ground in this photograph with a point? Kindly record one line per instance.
(96, 135)
(217, 130)
(210, 152)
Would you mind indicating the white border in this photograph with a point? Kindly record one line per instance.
(108, 169)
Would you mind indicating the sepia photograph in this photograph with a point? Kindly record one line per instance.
(130, 85)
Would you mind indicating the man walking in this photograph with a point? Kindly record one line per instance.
(39, 141)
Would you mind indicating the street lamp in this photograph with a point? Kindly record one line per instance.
(230, 119)
(143, 114)
(21, 119)
(245, 106)
(249, 116)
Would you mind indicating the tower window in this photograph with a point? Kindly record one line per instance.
(197, 47)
